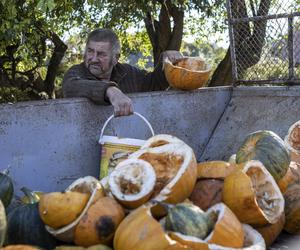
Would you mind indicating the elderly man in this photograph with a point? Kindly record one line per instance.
(105, 81)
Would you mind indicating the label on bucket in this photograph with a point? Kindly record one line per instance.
(114, 153)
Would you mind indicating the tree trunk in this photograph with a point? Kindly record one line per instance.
(58, 54)
(162, 35)
(222, 76)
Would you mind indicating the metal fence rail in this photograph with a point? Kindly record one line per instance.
(264, 41)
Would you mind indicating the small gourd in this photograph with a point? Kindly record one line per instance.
(190, 220)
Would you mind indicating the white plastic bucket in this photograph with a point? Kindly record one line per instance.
(115, 149)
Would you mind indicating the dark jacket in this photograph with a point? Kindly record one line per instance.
(79, 82)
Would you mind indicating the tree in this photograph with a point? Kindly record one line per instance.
(163, 19)
(31, 47)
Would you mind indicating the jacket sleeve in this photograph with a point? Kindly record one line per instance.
(76, 84)
(152, 81)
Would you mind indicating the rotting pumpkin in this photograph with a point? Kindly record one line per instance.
(99, 224)
(87, 185)
(253, 195)
(175, 167)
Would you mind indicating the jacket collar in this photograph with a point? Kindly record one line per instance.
(118, 73)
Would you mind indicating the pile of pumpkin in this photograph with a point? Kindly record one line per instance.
(161, 198)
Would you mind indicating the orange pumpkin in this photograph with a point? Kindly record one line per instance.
(140, 231)
(187, 73)
(292, 175)
(99, 223)
(292, 140)
(270, 232)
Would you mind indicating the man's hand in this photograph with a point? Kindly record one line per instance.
(122, 104)
(172, 55)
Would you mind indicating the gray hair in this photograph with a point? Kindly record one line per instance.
(105, 35)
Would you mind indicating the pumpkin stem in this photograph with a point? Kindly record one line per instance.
(32, 197)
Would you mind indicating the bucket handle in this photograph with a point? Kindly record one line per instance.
(135, 113)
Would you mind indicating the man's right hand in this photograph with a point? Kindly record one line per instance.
(122, 104)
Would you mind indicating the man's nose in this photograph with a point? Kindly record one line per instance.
(94, 57)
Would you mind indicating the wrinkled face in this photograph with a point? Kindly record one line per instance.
(100, 59)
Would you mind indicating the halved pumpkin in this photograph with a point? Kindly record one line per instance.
(175, 167)
(58, 209)
(86, 185)
(187, 73)
(292, 175)
(267, 147)
(253, 195)
(214, 169)
(227, 231)
(292, 209)
(292, 140)
(132, 182)
(252, 241)
(160, 140)
(99, 223)
(140, 231)
(270, 232)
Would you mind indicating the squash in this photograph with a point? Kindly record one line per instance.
(253, 195)
(269, 149)
(58, 209)
(187, 73)
(3, 224)
(175, 167)
(24, 225)
(99, 223)
(189, 219)
(6, 188)
(132, 182)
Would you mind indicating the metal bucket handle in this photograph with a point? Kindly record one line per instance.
(135, 113)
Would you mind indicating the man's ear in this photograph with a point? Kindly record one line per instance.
(116, 58)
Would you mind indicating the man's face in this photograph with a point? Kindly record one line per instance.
(99, 59)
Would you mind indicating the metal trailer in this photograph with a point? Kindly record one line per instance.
(49, 144)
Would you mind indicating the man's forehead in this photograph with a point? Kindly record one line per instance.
(103, 45)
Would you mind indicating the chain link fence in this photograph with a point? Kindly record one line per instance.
(264, 41)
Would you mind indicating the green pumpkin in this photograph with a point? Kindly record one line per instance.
(26, 227)
(269, 149)
(6, 188)
(3, 224)
(190, 220)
